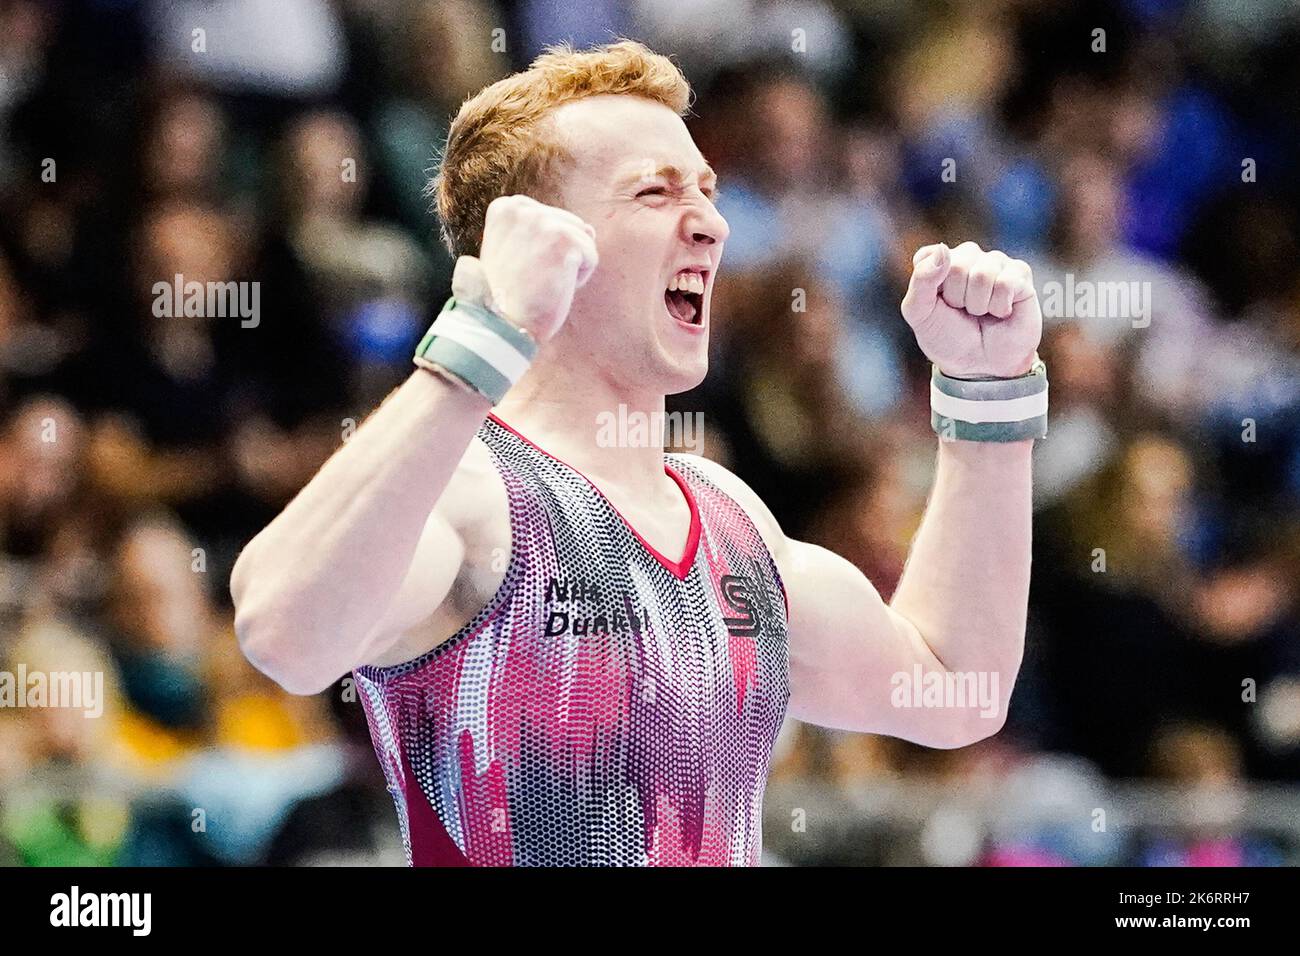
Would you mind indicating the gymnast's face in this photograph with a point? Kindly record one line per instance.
(636, 176)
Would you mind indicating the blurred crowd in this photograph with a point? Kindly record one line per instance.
(288, 143)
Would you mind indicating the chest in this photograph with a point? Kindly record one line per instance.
(629, 649)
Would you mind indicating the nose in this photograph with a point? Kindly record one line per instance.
(704, 225)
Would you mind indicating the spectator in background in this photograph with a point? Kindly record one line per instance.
(78, 825)
(160, 624)
(1204, 762)
(373, 275)
(785, 201)
(185, 147)
(778, 397)
(441, 60)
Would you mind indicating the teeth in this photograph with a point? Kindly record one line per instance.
(687, 281)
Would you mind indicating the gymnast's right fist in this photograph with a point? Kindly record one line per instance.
(533, 258)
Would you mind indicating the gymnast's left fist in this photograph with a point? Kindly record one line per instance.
(975, 313)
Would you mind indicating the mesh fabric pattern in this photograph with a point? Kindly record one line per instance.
(609, 706)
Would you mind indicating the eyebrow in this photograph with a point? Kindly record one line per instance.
(708, 177)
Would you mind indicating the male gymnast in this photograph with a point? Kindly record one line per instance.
(572, 654)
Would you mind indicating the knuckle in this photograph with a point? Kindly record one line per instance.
(552, 217)
(561, 223)
(565, 248)
(501, 211)
(546, 224)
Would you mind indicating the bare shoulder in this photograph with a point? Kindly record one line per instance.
(744, 496)
(458, 564)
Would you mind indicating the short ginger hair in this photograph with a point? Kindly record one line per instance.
(499, 143)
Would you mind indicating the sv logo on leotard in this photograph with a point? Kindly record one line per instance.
(737, 591)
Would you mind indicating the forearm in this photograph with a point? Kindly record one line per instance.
(966, 583)
(313, 583)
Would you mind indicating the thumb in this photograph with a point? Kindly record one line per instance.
(585, 258)
(930, 268)
(468, 280)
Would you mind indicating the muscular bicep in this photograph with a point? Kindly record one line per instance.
(428, 581)
(850, 652)
(458, 564)
(846, 646)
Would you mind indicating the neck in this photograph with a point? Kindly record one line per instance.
(563, 413)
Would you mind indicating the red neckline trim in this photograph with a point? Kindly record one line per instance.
(679, 569)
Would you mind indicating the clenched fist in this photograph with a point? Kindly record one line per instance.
(975, 313)
(533, 258)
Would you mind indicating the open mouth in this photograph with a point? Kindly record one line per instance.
(685, 297)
